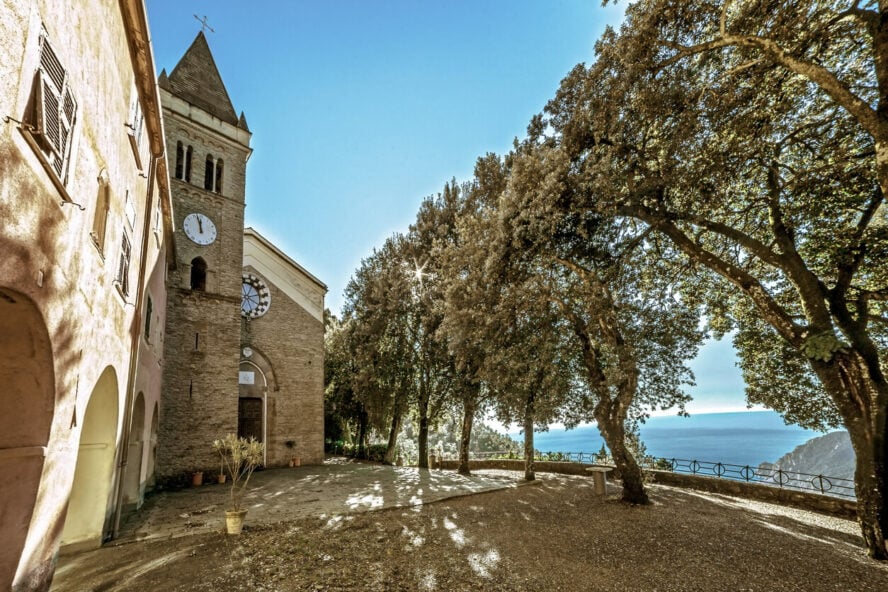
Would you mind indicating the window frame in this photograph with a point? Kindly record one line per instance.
(135, 125)
(51, 131)
(123, 266)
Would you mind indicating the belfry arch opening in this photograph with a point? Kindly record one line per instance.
(199, 274)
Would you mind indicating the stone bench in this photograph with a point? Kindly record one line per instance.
(599, 479)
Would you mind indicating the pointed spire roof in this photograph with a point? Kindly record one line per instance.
(242, 122)
(196, 79)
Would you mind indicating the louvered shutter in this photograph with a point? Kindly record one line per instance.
(55, 109)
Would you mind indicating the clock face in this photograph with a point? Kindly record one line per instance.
(255, 297)
(200, 229)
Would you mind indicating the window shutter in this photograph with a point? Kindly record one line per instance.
(54, 109)
(124, 264)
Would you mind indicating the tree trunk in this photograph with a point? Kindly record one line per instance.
(389, 457)
(469, 406)
(613, 431)
(869, 486)
(424, 436)
(528, 440)
(861, 402)
(362, 435)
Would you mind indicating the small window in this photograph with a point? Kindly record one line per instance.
(123, 268)
(188, 152)
(53, 111)
(135, 125)
(218, 186)
(199, 274)
(157, 220)
(180, 157)
(129, 208)
(100, 217)
(209, 174)
(149, 310)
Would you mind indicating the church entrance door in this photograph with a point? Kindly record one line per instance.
(249, 418)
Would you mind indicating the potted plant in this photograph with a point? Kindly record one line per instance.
(240, 457)
(196, 478)
(220, 478)
(295, 461)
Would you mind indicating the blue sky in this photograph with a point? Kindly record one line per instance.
(360, 109)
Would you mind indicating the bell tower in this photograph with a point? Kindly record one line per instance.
(208, 147)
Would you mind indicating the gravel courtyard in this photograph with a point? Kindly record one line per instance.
(554, 534)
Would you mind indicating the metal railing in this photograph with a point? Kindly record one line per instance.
(823, 484)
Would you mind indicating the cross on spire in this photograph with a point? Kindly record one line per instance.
(203, 24)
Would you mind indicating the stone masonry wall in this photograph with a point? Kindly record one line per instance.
(200, 393)
(293, 342)
(199, 401)
(843, 508)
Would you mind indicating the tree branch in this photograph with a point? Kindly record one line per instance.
(822, 77)
(771, 311)
(846, 272)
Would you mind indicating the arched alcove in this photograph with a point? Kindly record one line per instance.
(88, 502)
(28, 402)
(199, 274)
(152, 452)
(132, 497)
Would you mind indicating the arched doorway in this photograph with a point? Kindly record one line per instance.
(28, 403)
(251, 408)
(152, 452)
(88, 502)
(132, 497)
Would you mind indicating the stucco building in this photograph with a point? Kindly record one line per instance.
(122, 339)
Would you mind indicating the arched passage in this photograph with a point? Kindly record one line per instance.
(132, 496)
(152, 452)
(88, 502)
(27, 399)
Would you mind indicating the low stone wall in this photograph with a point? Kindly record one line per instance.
(542, 466)
(843, 508)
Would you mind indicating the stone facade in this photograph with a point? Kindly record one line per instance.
(200, 393)
(286, 346)
(204, 397)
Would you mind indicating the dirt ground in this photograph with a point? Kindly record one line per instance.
(552, 535)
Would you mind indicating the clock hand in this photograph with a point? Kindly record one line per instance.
(200, 225)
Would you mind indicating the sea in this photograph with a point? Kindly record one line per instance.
(740, 438)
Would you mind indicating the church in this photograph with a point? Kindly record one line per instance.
(243, 350)
(139, 318)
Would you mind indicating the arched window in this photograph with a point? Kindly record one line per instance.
(209, 173)
(219, 166)
(188, 164)
(180, 157)
(199, 274)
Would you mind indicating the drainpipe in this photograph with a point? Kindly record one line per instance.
(135, 347)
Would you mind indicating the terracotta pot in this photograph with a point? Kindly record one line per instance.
(197, 479)
(297, 461)
(221, 477)
(234, 521)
